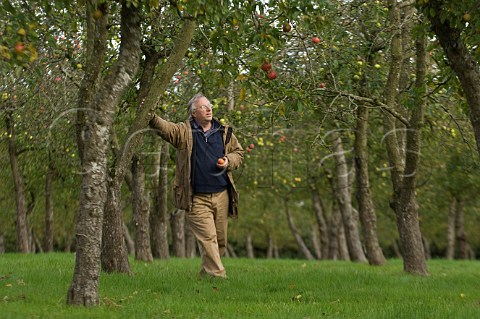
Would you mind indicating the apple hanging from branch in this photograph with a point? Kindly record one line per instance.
(266, 66)
(272, 75)
(19, 47)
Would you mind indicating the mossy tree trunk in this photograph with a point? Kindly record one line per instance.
(98, 98)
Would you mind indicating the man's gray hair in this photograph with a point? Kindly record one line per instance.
(190, 106)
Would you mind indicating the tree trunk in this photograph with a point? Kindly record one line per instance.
(23, 245)
(36, 244)
(249, 246)
(317, 246)
(407, 69)
(190, 242)
(160, 214)
(452, 209)
(461, 60)
(100, 97)
(300, 242)
(406, 205)
(463, 248)
(129, 242)
(48, 241)
(343, 196)
(141, 212)
(68, 244)
(366, 210)
(154, 213)
(337, 245)
(178, 233)
(114, 254)
(319, 211)
(342, 240)
(231, 251)
(403, 170)
(270, 246)
(426, 248)
(333, 231)
(276, 251)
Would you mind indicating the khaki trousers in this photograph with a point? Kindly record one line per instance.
(208, 220)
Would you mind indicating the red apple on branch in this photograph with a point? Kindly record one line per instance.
(272, 75)
(266, 66)
(19, 47)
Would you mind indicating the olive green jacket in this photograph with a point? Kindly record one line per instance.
(180, 136)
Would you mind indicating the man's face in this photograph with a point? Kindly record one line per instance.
(203, 110)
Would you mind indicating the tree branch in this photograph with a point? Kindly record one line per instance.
(370, 101)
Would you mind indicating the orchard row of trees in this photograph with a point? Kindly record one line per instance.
(360, 122)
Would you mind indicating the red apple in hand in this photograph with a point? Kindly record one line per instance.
(220, 161)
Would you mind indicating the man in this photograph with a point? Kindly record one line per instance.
(207, 152)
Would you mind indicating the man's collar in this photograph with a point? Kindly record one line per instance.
(215, 124)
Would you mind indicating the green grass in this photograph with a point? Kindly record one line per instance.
(35, 286)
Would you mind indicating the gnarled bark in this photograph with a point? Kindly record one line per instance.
(97, 102)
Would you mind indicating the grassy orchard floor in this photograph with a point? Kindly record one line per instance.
(35, 286)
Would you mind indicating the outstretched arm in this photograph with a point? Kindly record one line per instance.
(169, 131)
